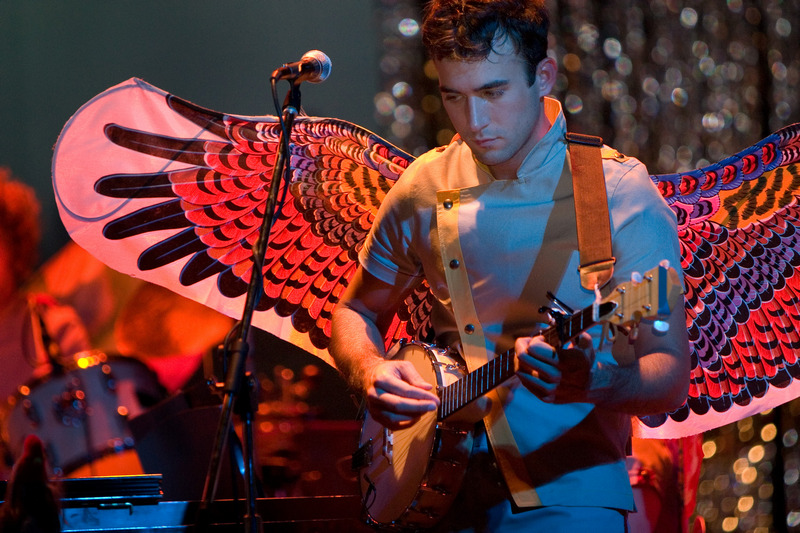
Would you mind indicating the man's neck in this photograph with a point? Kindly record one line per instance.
(510, 172)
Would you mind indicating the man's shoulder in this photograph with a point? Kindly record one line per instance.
(455, 148)
(607, 152)
(615, 159)
(618, 166)
(436, 163)
(626, 177)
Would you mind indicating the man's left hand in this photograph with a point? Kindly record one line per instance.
(556, 375)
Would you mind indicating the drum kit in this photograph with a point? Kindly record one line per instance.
(81, 414)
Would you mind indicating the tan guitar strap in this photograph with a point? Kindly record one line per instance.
(591, 210)
(473, 343)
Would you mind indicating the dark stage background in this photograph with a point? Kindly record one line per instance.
(55, 56)
(677, 84)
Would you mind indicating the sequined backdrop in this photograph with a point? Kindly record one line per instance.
(678, 85)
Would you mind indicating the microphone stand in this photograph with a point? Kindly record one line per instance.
(236, 369)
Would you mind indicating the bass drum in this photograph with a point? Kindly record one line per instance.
(81, 415)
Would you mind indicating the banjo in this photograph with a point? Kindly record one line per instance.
(409, 477)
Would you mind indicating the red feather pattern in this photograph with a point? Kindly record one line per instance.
(738, 228)
(340, 175)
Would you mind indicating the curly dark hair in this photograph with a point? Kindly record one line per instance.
(468, 29)
(19, 224)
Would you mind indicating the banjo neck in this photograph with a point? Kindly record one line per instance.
(654, 295)
(475, 384)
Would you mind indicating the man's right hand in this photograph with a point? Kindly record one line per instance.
(397, 396)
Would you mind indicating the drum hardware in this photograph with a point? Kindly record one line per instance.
(31, 413)
(70, 406)
(81, 413)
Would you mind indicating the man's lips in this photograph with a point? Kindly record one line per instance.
(483, 142)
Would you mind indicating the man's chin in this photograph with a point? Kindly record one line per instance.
(484, 156)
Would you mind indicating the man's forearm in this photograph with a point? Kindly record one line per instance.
(655, 383)
(356, 346)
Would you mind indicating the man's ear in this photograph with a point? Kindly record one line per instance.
(546, 72)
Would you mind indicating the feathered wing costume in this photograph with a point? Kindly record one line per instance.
(164, 190)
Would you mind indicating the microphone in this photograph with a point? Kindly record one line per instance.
(314, 67)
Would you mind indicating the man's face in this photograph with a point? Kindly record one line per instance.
(493, 108)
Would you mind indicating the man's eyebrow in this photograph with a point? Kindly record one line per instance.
(487, 86)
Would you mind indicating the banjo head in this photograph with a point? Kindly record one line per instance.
(411, 475)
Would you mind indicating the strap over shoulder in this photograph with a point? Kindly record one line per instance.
(591, 210)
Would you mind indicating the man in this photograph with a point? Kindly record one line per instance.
(37, 333)
(28, 321)
(554, 457)
(31, 501)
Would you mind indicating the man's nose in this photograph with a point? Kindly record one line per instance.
(478, 115)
